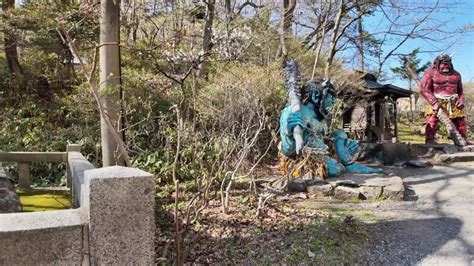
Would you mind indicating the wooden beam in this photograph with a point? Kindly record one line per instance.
(395, 107)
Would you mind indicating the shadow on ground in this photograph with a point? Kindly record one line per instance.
(408, 242)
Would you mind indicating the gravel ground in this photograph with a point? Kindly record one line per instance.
(435, 226)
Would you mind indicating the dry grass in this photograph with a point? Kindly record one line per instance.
(287, 232)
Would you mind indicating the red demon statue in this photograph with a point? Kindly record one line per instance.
(441, 86)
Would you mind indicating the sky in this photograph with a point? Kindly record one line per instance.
(459, 13)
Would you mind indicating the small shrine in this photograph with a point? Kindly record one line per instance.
(374, 118)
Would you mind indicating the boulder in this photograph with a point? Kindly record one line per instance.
(9, 200)
(297, 185)
(386, 153)
(371, 180)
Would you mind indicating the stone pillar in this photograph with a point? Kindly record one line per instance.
(121, 203)
(70, 148)
(24, 175)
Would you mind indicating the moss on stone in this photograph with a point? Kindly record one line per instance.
(35, 200)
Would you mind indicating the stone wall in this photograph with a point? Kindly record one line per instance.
(38, 238)
(77, 165)
(115, 223)
(121, 211)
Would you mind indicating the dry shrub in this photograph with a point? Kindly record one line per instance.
(241, 93)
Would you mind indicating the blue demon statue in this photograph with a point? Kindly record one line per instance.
(320, 154)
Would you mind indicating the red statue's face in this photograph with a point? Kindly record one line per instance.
(444, 68)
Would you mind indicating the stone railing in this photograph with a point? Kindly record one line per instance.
(24, 159)
(113, 224)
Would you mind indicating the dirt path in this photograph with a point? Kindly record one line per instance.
(434, 227)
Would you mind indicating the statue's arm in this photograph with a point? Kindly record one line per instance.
(427, 88)
(460, 101)
(288, 145)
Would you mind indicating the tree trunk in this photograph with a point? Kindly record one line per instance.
(228, 9)
(411, 100)
(11, 52)
(110, 78)
(320, 44)
(289, 7)
(332, 46)
(207, 36)
(286, 23)
(135, 22)
(360, 44)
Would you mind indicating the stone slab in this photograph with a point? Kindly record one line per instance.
(468, 148)
(121, 204)
(371, 180)
(394, 191)
(14, 222)
(458, 157)
(370, 193)
(418, 163)
(346, 193)
(321, 190)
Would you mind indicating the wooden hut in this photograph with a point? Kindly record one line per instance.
(374, 118)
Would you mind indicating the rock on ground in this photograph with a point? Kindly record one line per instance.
(9, 200)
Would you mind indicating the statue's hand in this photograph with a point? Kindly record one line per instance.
(346, 149)
(459, 103)
(352, 146)
(295, 119)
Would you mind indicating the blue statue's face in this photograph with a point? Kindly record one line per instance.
(329, 102)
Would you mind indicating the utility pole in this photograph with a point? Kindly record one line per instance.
(109, 54)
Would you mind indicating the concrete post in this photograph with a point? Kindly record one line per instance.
(121, 203)
(70, 148)
(24, 175)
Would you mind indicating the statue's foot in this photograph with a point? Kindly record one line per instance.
(431, 142)
(334, 167)
(361, 169)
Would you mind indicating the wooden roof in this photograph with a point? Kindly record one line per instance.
(384, 89)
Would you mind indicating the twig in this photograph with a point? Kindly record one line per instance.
(176, 221)
(88, 74)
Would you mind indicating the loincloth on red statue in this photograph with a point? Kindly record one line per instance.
(451, 111)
